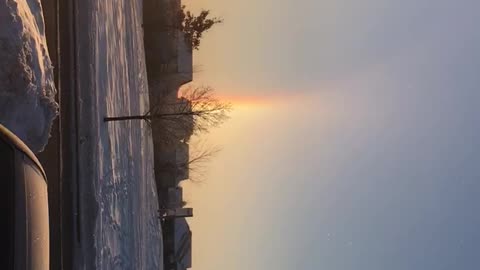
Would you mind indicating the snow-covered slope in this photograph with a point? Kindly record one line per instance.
(27, 90)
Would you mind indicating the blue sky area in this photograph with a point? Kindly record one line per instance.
(369, 159)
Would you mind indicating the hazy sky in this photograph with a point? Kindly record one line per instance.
(354, 143)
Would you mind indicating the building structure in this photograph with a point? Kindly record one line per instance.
(177, 249)
(169, 66)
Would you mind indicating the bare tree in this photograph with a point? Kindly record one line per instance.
(198, 161)
(196, 111)
(196, 164)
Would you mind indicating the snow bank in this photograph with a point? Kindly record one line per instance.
(27, 90)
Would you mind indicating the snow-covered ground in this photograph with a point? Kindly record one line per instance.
(117, 208)
(27, 89)
(116, 157)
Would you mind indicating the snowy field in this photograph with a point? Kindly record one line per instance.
(118, 156)
(116, 213)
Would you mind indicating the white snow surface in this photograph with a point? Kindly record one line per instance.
(27, 89)
(116, 156)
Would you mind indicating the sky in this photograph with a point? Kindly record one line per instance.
(354, 139)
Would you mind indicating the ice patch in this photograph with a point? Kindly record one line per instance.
(27, 89)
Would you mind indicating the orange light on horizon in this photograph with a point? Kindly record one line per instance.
(258, 100)
(237, 100)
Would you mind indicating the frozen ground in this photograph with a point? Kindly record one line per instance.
(116, 159)
(115, 214)
(27, 88)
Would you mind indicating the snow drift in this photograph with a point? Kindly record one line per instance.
(27, 89)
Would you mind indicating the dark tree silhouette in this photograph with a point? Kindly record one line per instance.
(193, 26)
(196, 164)
(199, 159)
(196, 111)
